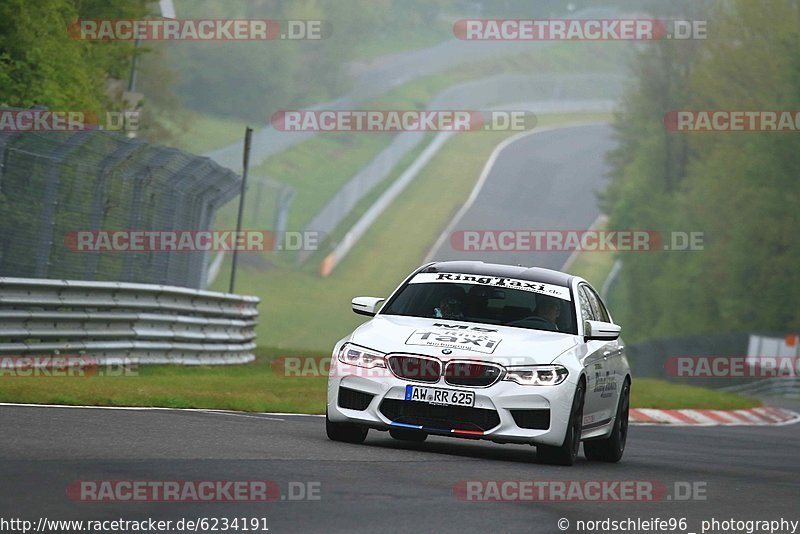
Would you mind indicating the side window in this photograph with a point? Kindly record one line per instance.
(597, 305)
(587, 313)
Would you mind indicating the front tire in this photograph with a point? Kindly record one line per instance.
(611, 449)
(346, 432)
(567, 453)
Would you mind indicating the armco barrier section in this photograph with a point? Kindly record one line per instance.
(116, 322)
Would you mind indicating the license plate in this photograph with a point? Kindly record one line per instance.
(446, 397)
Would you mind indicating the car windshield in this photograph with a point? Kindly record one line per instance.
(486, 300)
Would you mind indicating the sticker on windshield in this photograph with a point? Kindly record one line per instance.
(454, 339)
(494, 281)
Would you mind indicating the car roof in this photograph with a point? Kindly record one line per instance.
(533, 274)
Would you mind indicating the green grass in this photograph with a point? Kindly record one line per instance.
(207, 132)
(251, 387)
(403, 41)
(651, 393)
(318, 168)
(257, 387)
(593, 266)
(312, 264)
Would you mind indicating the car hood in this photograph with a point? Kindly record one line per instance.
(473, 341)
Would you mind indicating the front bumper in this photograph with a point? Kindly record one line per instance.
(500, 413)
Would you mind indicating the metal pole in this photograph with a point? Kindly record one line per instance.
(132, 77)
(248, 133)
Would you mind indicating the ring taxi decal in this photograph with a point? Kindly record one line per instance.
(454, 339)
(493, 281)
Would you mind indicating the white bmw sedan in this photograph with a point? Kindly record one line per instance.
(485, 351)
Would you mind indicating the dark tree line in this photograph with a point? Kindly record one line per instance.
(739, 188)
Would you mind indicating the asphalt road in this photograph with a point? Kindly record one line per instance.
(543, 181)
(383, 485)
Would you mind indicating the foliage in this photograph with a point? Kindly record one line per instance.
(41, 64)
(739, 188)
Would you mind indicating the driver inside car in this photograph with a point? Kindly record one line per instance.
(449, 308)
(547, 312)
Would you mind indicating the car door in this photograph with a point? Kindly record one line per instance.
(614, 350)
(599, 398)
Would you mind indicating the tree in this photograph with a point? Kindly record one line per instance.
(40, 64)
(738, 188)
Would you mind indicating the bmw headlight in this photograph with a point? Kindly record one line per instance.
(361, 356)
(537, 375)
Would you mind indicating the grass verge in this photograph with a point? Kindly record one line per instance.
(593, 266)
(262, 387)
(207, 132)
(652, 393)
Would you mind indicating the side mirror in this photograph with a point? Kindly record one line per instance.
(367, 305)
(601, 330)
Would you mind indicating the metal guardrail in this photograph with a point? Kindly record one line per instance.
(115, 322)
(786, 386)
